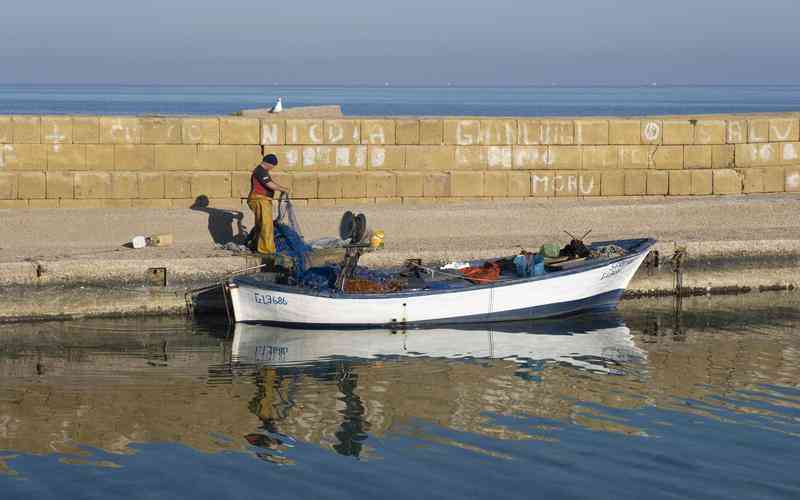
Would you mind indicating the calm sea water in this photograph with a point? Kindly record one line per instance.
(643, 404)
(552, 101)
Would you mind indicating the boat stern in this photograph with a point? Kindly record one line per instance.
(244, 300)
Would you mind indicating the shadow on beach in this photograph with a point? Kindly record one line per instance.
(221, 222)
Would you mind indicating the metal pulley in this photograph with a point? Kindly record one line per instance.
(353, 228)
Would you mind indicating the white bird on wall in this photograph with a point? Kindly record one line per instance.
(278, 107)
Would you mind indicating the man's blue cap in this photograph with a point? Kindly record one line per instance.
(271, 159)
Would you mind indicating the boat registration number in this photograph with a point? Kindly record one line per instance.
(613, 270)
(270, 299)
(271, 353)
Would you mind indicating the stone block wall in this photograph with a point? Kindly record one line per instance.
(107, 162)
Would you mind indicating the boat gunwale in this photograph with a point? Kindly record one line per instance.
(641, 245)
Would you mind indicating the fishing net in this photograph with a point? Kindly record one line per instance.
(286, 214)
(289, 238)
(289, 242)
(362, 285)
(608, 252)
(321, 278)
(364, 280)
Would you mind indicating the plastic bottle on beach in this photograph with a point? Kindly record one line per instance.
(156, 240)
(139, 242)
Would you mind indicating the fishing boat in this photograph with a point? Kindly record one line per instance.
(595, 282)
(596, 342)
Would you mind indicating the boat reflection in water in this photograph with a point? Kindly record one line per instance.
(587, 341)
(533, 406)
(382, 380)
(65, 386)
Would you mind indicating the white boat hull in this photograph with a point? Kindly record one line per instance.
(598, 286)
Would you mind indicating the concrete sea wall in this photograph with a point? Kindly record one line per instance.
(166, 162)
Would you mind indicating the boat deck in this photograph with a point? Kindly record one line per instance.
(427, 280)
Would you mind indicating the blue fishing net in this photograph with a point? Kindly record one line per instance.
(289, 239)
(289, 242)
(373, 274)
(323, 278)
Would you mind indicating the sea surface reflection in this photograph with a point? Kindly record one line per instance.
(702, 403)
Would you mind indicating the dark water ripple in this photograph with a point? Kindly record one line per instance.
(705, 404)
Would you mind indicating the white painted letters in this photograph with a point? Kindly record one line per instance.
(377, 135)
(541, 184)
(9, 154)
(335, 133)
(766, 152)
(377, 157)
(55, 135)
(790, 152)
(313, 133)
(793, 182)
(781, 133)
(572, 183)
(464, 134)
(735, 133)
(342, 157)
(313, 130)
(349, 156)
(292, 157)
(499, 157)
(498, 132)
(122, 133)
(269, 134)
(309, 156)
(586, 185)
(652, 132)
(532, 157)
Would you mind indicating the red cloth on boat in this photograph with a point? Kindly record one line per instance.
(487, 273)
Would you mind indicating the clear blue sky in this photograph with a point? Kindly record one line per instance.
(505, 42)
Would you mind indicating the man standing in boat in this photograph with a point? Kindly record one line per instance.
(262, 190)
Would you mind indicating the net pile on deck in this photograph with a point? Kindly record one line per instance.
(323, 278)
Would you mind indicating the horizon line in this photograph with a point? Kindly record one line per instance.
(653, 85)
